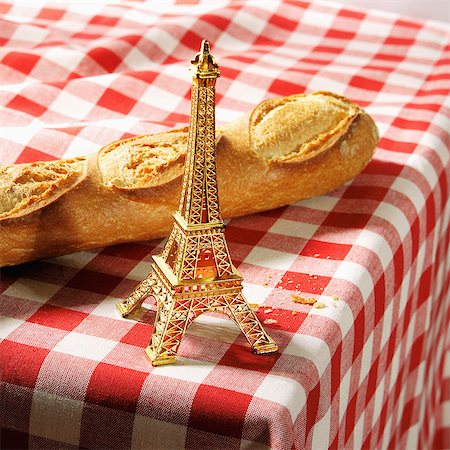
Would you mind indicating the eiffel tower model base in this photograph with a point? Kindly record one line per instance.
(178, 304)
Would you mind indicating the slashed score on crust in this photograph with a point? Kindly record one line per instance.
(312, 123)
(143, 162)
(26, 188)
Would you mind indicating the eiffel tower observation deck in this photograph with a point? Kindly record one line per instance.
(194, 273)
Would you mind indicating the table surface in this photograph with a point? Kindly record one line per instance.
(369, 369)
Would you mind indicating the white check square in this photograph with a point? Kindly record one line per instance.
(164, 40)
(169, 435)
(322, 203)
(8, 325)
(283, 391)
(293, 228)
(227, 42)
(250, 22)
(213, 327)
(64, 57)
(77, 260)
(272, 259)
(366, 359)
(312, 348)
(71, 106)
(140, 271)
(240, 91)
(186, 369)
(85, 346)
(254, 293)
(160, 98)
(318, 82)
(56, 418)
(29, 33)
(37, 291)
(317, 19)
(79, 147)
(321, 432)
(356, 274)
(394, 216)
(107, 308)
(136, 60)
(375, 242)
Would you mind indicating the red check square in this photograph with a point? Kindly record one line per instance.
(346, 220)
(283, 88)
(23, 62)
(100, 283)
(20, 363)
(325, 250)
(310, 283)
(243, 236)
(13, 440)
(219, 410)
(108, 378)
(285, 320)
(56, 317)
(104, 20)
(340, 34)
(352, 14)
(21, 103)
(105, 58)
(131, 250)
(50, 14)
(139, 335)
(368, 84)
(240, 356)
(30, 154)
(115, 101)
(283, 22)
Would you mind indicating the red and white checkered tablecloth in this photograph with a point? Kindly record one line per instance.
(371, 369)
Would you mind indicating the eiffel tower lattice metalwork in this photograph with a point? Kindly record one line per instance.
(194, 273)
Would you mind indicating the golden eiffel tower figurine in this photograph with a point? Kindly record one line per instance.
(194, 273)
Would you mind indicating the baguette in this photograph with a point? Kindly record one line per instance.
(285, 150)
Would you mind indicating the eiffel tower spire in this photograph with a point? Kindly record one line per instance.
(194, 273)
(199, 203)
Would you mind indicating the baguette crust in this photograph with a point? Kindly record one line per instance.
(28, 187)
(285, 150)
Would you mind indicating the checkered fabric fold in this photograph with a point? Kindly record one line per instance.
(371, 369)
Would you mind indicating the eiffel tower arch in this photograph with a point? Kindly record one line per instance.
(194, 273)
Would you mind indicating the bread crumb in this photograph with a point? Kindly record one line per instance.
(335, 297)
(319, 305)
(304, 301)
(270, 321)
(316, 255)
(268, 278)
(294, 313)
(268, 310)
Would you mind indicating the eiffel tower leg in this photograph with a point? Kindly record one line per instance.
(245, 318)
(171, 321)
(135, 299)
